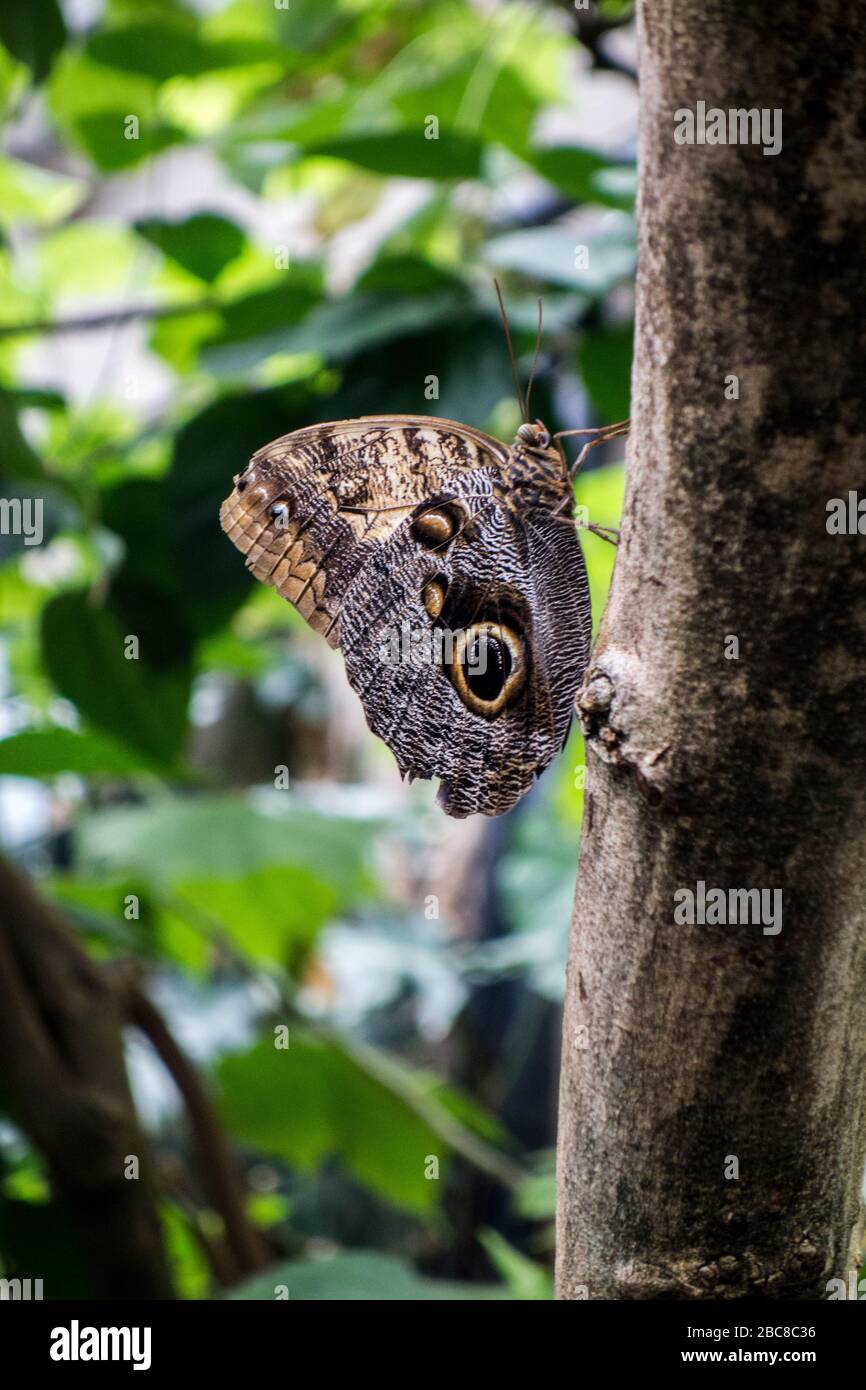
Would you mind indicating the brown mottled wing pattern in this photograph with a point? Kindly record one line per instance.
(530, 569)
(347, 486)
(344, 552)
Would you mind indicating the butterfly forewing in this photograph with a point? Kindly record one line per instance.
(345, 488)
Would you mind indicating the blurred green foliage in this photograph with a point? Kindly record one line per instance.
(252, 322)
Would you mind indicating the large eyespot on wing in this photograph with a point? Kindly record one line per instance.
(550, 610)
(488, 667)
(437, 522)
(486, 734)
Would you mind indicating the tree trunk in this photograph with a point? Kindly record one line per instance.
(712, 1122)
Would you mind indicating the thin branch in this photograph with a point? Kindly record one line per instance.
(110, 318)
(219, 1172)
(62, 1063)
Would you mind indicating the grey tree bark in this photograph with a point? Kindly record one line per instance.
(712, 1121)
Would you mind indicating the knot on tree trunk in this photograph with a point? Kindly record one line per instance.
(622, 722)
(698, 1276)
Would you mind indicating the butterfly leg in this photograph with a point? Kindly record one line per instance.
(602, 437)
(607, 533)
(603, 434)
(622, 426)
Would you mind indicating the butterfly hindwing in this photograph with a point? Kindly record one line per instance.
(505, 571)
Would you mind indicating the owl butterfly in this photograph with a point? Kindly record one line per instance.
(447, 569)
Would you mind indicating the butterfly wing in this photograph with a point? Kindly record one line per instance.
(339, 518)
(525, 575)
(311, 507)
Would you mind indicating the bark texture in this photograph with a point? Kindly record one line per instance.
(687, 1046)
(63, 1071)
(64, 1076)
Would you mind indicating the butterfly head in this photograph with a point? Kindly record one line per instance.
(534, 434)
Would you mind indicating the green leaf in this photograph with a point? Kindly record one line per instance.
(592, 266)
(203, 244)
(524, 1278)
(190, 1270)
(32, 513)
(108, 139)
(407, 154)
(272, 916)
(312, 28)
(37, 196)
(27, 1180)
(142, 702)
(179, 838)
(617, 185)
(34, 32)
(97, 909)
(473, 370)
(536, 1197)
(136, 510)
(605, 365)
(178, 338)
(601, 490)
(277, 308)
(491, 102)
(17, 458)
(163, 51)
(208, 451)
(81, 91)
(45, 1241)
(48, 752)
(613, 9)
(487, 74)
(339, 329)
(303, 122)
(36, 398)
(312, 1101)
(406, 275)
(578, 172)
(362, 1275)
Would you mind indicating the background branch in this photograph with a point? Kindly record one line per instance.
(62, 1058)
(62, 1061)
(108, 318)
(220, 1175)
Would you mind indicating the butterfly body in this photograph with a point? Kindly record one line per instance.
(446, 568)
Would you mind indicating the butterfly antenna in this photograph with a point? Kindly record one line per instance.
(534, 359)
(517, 391)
